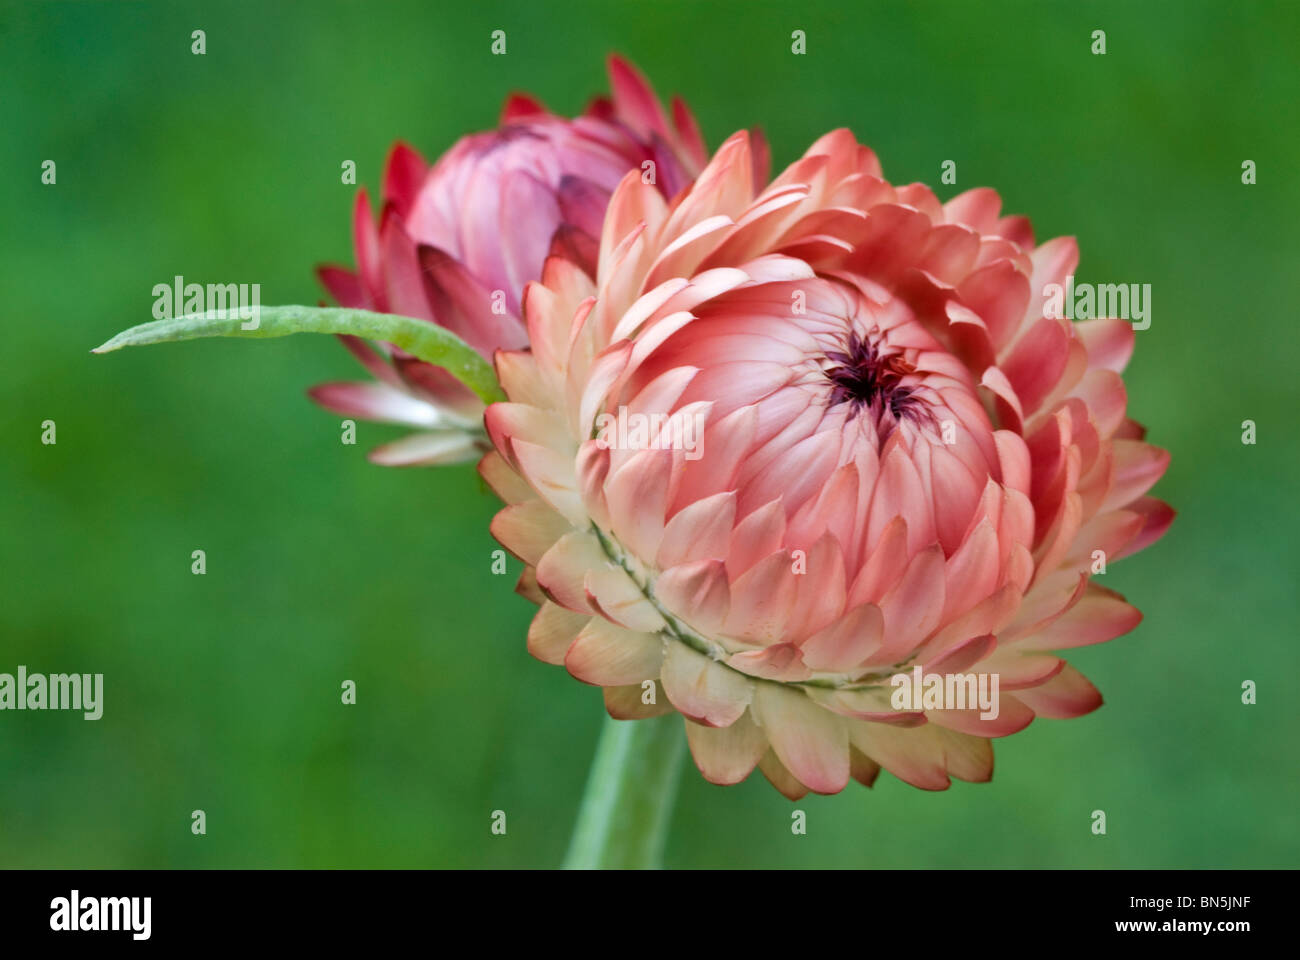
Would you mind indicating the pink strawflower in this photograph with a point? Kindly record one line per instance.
(901, 463)
(457, 242)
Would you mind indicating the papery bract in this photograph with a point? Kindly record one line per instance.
(904, 463)
(456, 243)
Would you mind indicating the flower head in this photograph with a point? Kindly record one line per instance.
(899, 461)
(457, 242)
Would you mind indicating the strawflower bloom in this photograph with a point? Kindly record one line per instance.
(456, 243)
(901, 460)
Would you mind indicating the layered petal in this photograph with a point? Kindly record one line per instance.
(814, 460)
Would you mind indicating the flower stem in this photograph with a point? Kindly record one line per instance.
(623, 820)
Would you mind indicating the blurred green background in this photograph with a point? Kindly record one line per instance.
(222, 691)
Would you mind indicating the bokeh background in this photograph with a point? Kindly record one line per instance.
(222, 691)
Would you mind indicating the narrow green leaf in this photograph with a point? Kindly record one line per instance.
(420, 338)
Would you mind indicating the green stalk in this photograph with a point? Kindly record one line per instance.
(628, 803)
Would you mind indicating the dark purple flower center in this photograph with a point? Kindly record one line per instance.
(862, 377)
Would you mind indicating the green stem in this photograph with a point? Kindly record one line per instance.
(623, 821)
